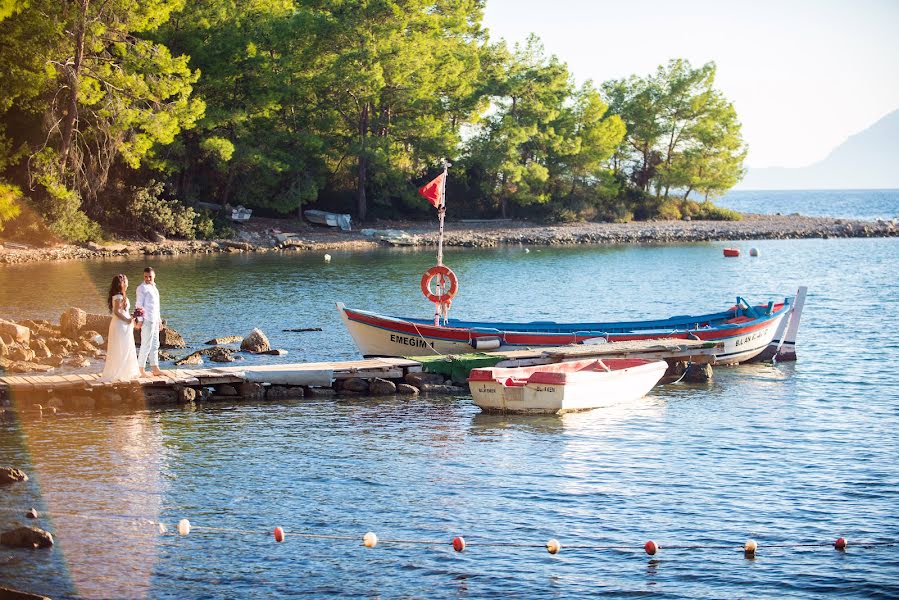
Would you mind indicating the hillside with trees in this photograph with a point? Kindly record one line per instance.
(126, 117)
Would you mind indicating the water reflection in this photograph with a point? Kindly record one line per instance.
(101, 485)
(582, 422)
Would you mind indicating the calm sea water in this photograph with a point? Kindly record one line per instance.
(787, 454)
(846, 204)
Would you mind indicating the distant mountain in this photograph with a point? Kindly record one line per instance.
(867, 160)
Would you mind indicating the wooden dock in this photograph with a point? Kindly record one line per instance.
(255, 382)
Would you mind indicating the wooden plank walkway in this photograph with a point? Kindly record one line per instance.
(387, 368)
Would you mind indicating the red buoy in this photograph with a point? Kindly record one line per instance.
(651, 547)
(279, 534)
(731, 252)
(840, 544)
(458, 543)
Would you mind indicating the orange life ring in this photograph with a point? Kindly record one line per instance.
(445, 274)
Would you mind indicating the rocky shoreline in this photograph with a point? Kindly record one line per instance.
(274, 235)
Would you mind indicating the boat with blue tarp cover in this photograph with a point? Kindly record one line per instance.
(745, 331)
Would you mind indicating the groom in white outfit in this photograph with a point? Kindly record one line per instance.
(148, 300)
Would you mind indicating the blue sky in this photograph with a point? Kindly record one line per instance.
(803, 75)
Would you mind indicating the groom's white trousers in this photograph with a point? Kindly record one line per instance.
(149, 344)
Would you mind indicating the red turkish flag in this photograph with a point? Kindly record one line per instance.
(433, 191)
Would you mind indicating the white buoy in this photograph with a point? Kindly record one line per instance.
(753, 252)
(526, 250)
(327, 258)
(184, 527)
(370, 540)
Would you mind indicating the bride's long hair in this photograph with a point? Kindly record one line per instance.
(118, 286)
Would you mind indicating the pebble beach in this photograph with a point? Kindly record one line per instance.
(277, 235)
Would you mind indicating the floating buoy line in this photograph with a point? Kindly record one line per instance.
(458, 543)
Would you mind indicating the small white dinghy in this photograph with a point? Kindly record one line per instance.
(564, 387)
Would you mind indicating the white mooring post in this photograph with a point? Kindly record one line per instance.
(786, 352)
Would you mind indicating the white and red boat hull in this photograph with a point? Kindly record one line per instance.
(564, 387)
(743, 332)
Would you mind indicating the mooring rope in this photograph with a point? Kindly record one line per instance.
(458, 543)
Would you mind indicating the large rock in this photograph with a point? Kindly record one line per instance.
(60, 345)
(22, 354)
(99, 323)
(435, 388)
(406, 389)
(41, 351)
(194, 358)
(20, 366)
(698, 373)
(255, 342)
(169, 338)
(219, 354)
(354, 384)
(4, 349)
(283, 392)
(71, 322)
(27, 537)
(11, 475)
(18, 333)
(186, 394)
(252, 391)
(228, 339)
(421, 378)
(381, 387)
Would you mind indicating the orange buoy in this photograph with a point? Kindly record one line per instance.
(553, 546)
(458, 543)
(749, 548)
(731, 252)
(651, 547)
(444, 275)
(279, 534)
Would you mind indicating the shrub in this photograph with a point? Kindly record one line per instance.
(150, 213)
(707, 211)
(204, 227)
(563, 215)
(66, 219)
(10, 197)
(669, 210)
(60, 206)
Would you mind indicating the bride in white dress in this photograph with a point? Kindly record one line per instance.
(121, 357)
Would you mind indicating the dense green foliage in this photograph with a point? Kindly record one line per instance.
(121, 115)
(681, 133)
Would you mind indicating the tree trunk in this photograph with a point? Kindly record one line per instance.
(73, 76)
(226, 193)
(361, 175)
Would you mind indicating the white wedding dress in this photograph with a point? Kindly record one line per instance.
(121, 357)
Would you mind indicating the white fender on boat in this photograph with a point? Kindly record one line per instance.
(485, 343)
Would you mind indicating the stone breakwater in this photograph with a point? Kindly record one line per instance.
(482, 235)
(752, 227)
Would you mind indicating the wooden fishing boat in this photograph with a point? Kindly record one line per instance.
(564, 387)
(743, 330)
